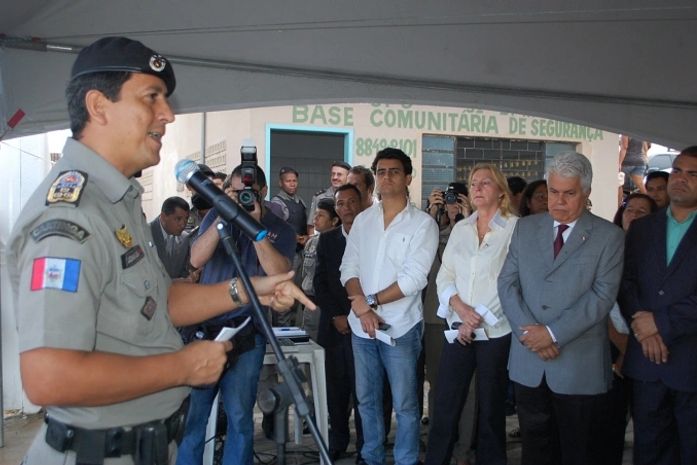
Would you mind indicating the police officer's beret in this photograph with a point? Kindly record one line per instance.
(123, 54)
(341, 164)
(287, 169)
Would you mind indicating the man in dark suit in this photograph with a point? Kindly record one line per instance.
(559, 281)
(334, 333)
(659, 298)
(167, 229)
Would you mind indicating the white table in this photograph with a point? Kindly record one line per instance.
(309, 353)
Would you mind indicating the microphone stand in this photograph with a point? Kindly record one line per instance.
(286, 366)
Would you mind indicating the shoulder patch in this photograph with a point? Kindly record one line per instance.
(63, 228)
(58, 273)
(67, 188)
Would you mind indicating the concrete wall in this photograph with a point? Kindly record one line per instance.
(375, 126)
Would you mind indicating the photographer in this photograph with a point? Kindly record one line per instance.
(449, 206)
(238, 384)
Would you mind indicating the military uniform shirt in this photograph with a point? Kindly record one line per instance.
(327, 193)
(86, 276)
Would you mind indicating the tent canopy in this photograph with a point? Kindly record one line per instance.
(626, 66)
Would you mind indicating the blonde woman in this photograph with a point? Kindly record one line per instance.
(469, 302)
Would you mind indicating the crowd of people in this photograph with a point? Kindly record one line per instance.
(499, 292)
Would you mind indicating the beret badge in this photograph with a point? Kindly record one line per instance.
(158, 63)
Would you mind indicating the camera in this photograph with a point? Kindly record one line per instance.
(248, 195)
(450, 195)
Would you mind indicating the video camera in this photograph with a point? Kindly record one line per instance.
(248, 196)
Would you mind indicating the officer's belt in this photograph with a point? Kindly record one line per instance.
(148, 443)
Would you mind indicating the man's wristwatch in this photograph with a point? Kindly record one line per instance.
(372, 301)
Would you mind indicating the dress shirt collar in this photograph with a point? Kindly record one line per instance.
(570, 225)
(165, 234)
(566, 233)
(407, 212)
(496, 222)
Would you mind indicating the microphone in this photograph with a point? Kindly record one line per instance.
(187, 172)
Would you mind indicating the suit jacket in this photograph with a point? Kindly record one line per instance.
(330, 295)
(176, 265)
(571, 294)
(669, 291)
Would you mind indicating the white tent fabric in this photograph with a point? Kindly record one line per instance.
(625, 66)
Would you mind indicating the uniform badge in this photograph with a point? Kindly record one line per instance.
(157, 63)
(63, 228)
(124, 236)
(149, 307)
(67, 188)
(132, 256)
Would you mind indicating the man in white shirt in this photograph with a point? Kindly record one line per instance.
(388, 255)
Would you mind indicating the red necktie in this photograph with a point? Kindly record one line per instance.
(559, 240)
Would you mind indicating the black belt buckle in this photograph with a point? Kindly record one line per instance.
(152, 446)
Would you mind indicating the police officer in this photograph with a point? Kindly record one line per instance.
(96, 308)
(339, 176)
(292, 206)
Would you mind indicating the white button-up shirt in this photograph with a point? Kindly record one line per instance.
(379, 256)
(471, 269)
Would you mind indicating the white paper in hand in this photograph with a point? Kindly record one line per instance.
(226, 333)
(479, 335)
(450, 335)
(384, 337)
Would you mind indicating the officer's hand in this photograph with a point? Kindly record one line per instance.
(279, 292)
(204, 361)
